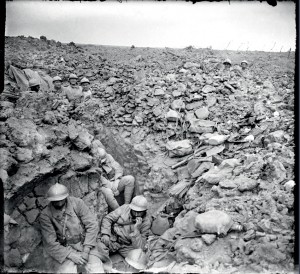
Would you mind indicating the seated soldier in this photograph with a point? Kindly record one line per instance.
(69, 233)
(73, 91)
(85, 84)
(127, 227)
(113, 181)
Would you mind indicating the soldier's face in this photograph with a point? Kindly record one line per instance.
(136, 214)
(85, 86)
(73, 81)
(59, 204)
(244, 65)
(57, 84)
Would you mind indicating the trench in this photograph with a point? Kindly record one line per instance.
(135, 116)
(23, 243)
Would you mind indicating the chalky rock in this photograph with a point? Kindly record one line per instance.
(209, 238)
(178, 105)
(201, 126)
(289, 185)
(173, 115)
(179, 148)
(213, 221)
(202, 113)
(208, 89)
(217, 139)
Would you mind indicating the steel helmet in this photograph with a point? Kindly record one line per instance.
(73, 76)
(101, 152)
(244, 61)
(139, 203)
(84, 80)
(56, 78)
(33, 82)
(57, 192)
(227, 61)
(137, 259)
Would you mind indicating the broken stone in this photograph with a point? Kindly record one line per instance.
(202, 113)
(228, 184)
(178, 105)
(201, 126)
(191, 65)
(31, 215)
(216, 174)
(179, 148)
(289, 185)
(173, 115)
(81, 161)
(245, 183)
(30, 203)
(209, 238)
(208, 89)
(213, 221)
(13, 258)
(24, 155)
(84, 140)
(217, 139)
(177, 93)
(159, 92)
(215, 150)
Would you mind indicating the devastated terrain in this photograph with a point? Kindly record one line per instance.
(195, 138)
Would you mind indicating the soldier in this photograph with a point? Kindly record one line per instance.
(227, 64)
(73, 91)
(127, 227)
(85, 84)
(69, 233)
(113, 181)
(244, 64)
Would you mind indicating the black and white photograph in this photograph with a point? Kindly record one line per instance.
(150, 136)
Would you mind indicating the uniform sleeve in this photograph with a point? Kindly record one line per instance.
(50, 243)
(116, 166)
(89, 222)
(109, 220)
(139, 239)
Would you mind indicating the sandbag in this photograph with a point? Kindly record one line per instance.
(214, 221)
(160, 225)
(179, 148)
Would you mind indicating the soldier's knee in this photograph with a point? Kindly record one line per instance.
(106, 191)
(128, 180)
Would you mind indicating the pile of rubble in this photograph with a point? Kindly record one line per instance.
(185, 127)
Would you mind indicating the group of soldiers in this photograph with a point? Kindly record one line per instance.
(71, 235)
(73, 239)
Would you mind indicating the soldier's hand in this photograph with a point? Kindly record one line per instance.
(77, 258)
(85, 256)
(105, 240)
(138, 223)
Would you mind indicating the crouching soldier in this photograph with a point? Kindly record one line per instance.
(113, 182)
(69, 232)
(127, 227)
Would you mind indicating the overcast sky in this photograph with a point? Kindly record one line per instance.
(238, 25)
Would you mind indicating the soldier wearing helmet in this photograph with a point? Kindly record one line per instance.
(127, 227)
(85, 84)
(244, 64)
(227, 64)
(114, 184)
(69, 233)
(73, 91)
